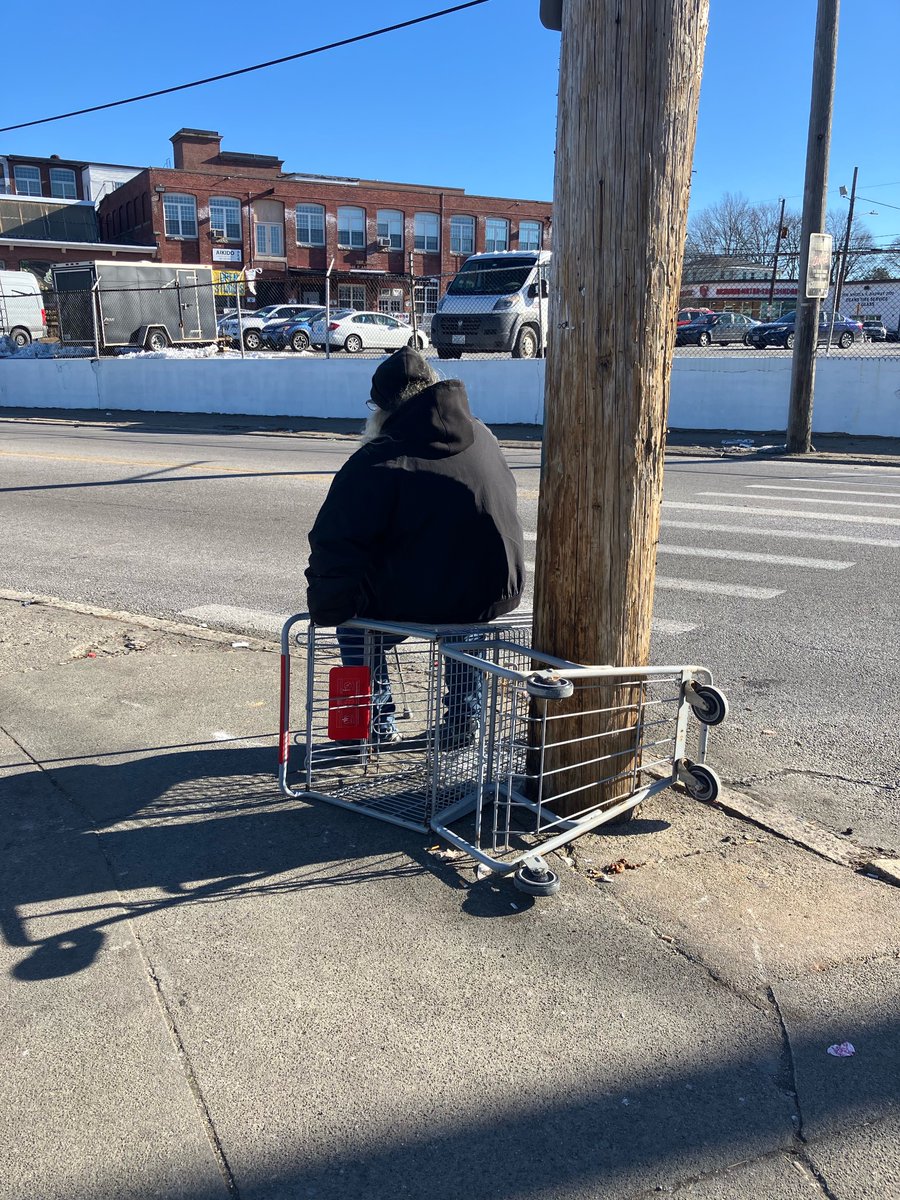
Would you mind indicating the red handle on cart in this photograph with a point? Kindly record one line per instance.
(349, 703)
(284, 737)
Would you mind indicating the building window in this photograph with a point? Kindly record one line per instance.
(496, 235)
(391, 300)
(426, 299)
(529, 235)
(351, 228)
(428, 232)
(181, 215)
(269, 239)
(462, 235)
(129, 215)
(352, 295)
(62, 183)
(310, 225)
(28, 181)
(225, 217)
(390, 226)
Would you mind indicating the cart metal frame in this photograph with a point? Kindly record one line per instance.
(501, 785)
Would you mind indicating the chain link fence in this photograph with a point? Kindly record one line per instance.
(495, 306)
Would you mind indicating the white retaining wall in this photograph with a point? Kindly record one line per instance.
(717, 391)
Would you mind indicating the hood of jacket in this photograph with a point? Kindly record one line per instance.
(436, 423)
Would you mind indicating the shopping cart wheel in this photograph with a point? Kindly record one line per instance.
(549, 686)
(704, 783)
(536, 881)
(715, 706)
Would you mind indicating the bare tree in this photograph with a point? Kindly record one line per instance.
(747, 232)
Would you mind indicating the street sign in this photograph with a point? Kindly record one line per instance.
(551, 14)
(818, 270)
(227, 254)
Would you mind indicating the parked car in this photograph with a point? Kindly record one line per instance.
(720, 328)
(780, 333)
(354, 331)
(295, 333)
(875, 330)
(690, 314)
(252, 322)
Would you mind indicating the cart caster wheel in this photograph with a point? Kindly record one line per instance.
(549, 686)
(536, 882)
(704, 783)
(715, 706)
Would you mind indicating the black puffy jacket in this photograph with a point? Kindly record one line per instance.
(420, 524)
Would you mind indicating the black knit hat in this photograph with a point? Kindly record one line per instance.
(397, 373)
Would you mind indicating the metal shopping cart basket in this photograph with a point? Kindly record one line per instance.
(558, 748)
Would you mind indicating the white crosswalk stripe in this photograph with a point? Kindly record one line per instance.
(784, 487)
(775, 560)
(747, 592)
(801, 500)
(750, 511)
(804, 535)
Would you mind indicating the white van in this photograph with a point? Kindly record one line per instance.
(22, 315)
(496, 303)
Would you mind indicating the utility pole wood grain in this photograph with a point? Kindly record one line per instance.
(628, 93)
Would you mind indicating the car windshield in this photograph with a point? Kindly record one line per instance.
(492, 277)
(787, 319)
(305, 318)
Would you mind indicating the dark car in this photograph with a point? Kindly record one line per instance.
(874, 329)
(293, 334)
(720, 328)
(780, 333)
(690, 314)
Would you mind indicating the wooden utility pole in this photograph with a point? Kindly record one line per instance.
(818, 144)
(628, 93)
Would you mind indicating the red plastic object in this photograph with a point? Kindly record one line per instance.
(349, 703)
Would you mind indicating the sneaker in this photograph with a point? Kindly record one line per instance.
(456, 734)
(390, 737)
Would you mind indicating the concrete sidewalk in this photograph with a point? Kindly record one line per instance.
(210, 991)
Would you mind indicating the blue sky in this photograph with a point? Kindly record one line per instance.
(469, 100)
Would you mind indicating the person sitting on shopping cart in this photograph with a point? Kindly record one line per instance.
(419, 525)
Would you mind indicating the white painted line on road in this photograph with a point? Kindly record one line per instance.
(661, 625)
(803, 535)
(783, 487)
(776, 560)
(800, 500)
(717, 589)
(781, 512)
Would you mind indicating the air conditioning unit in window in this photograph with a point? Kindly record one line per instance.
(217, 235)
(384, 243)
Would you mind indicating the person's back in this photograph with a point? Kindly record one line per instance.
(420, 524)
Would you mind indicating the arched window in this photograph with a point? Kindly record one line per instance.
(225, 217)
(428, 233)
(310, 225)
(351, 228)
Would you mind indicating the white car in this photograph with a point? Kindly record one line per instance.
(252, 322)
(355, 331)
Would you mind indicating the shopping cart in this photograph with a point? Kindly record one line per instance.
(557, 749)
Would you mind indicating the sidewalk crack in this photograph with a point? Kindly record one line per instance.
(788, 1086)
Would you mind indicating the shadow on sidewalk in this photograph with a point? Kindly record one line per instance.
(198, 826)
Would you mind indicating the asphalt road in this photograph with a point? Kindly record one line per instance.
(782, 578)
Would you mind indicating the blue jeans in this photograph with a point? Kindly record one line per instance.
(462, 699)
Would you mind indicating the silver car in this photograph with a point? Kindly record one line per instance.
(355, 331)
(252, 323)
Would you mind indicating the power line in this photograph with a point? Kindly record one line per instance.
(181, 87)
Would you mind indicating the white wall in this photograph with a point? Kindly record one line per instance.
(717, 391)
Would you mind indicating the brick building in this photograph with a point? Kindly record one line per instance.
(48, 212)
(233, 210)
